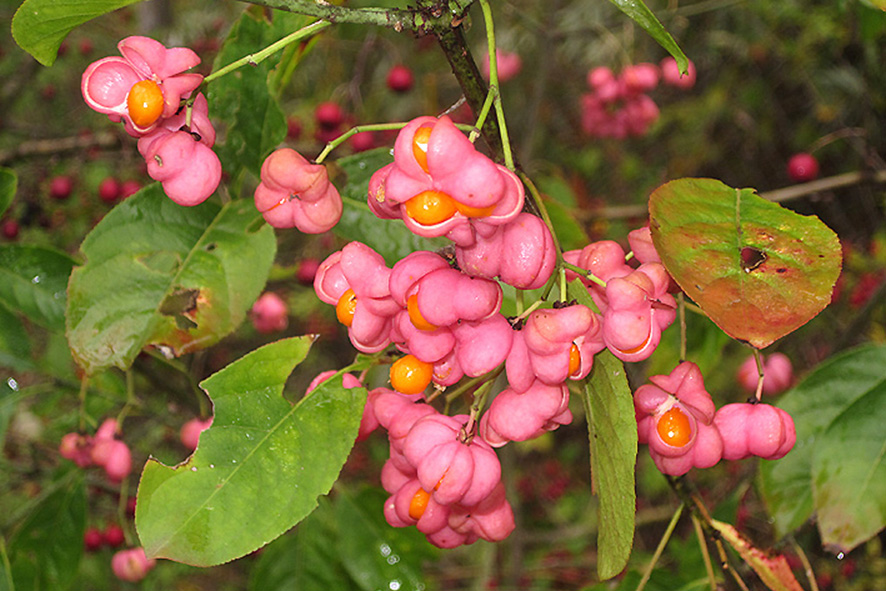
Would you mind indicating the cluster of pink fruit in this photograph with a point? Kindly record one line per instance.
(618, 106)
(105, 450)
(144, 89)
(447, 321)
(677, 418)
(101, 450)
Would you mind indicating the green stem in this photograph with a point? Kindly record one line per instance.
(758, 358)
(354, 130)
(455, 48)
(520, 301)
(481, 118)
(583, 272)
(529, 310)
(543, 211)
(494, 85)
(563, 295)
(84, 387)
(661, 546)
(705, 554)
(254, 59)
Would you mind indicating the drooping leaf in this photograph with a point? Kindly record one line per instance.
(46, 547)
(773, 569)
(306, 559)
(644, 17)
(375, 554)
(390, 238)
(161, 274)
(612, 434)
(263, 462)
(758, 270)
(849, 473)
(824, 395)
(33, 280)
(252, 123)
(8, 187)
(40, 26)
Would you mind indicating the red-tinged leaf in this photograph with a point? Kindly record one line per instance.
(772, 568)
(758, 270)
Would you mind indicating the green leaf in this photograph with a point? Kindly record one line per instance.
(644, 17)
(758, 270)
(33, 281)
(15, 346)
(161, 274)
(45, 549)
(252, 123)
(829, 392)
(849, 473)
(304, 560)
(773, 569)
(389, 238)
(612, 435)
(259, 468)
(8, 187)
(374, 553)
(40, 26)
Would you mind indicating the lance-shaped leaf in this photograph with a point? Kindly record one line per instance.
(161, 274)
(644, 17)
(40, 26)
(258, 470)
(773, 569)
(33, 281)
(758, 270)
(612, 434)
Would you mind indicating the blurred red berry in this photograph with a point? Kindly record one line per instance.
(85, 47)
(129, 188)
(113, 535)
(60, 187)
(93, 539)
(329, 115)
(10, 229)
(400, 78)
(306, 270)
(365, 140)
(803, 167)
(109, 190)
(293, 128)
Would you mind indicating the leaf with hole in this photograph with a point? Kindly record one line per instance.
(160, 274)
(758, 270)
(259, 468)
